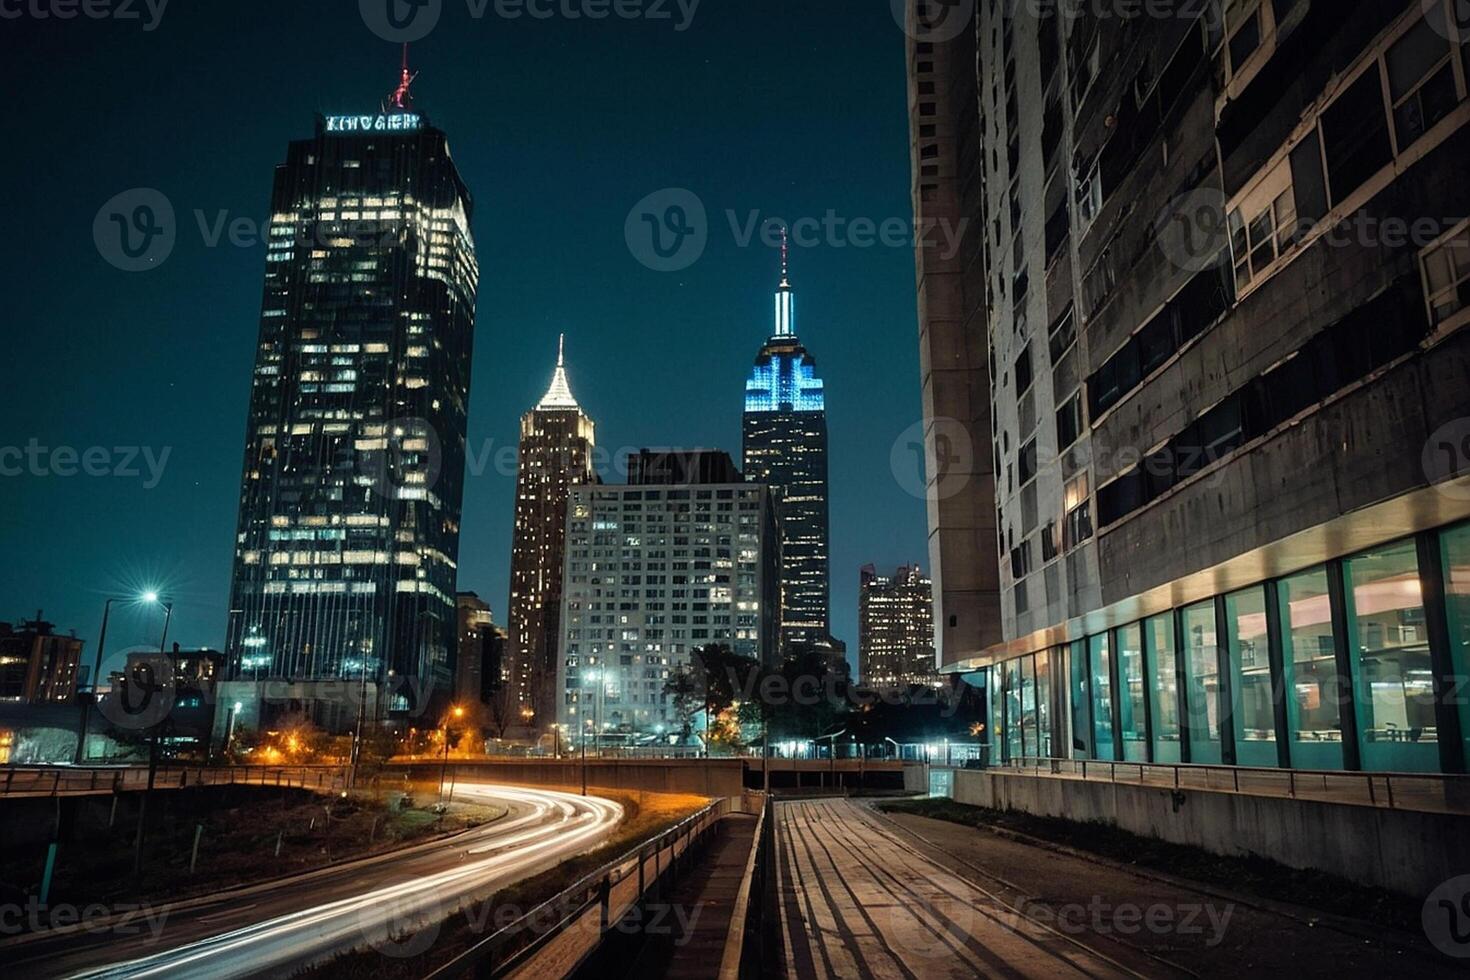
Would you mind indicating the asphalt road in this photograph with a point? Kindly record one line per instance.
(276, 927)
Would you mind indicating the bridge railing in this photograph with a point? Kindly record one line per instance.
(1427, 792)
(72, 781)
(656, 863)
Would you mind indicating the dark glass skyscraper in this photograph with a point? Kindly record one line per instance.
(345, 556)
(785, 447)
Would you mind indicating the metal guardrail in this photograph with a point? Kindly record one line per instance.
(73, 781)
(511, 947)
(1426, 792)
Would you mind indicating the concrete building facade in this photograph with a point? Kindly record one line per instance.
(1225, 289)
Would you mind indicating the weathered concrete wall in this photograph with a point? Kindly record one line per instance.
(1402, 850)
(706, 777)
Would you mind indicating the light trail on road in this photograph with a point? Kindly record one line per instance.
(370, 903)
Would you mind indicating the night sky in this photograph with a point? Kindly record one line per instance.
(791, 109)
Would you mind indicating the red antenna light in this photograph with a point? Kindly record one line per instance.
(401, 99)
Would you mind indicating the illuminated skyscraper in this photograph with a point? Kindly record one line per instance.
(785, 447)
(896, 629)
(349, 517)
(555, 454)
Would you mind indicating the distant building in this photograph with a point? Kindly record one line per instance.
(785, 448)
(896, 629)
(656, 569)
(187, 692)
(478, 664)
(351, 492)
(37, 665)
(555, 455)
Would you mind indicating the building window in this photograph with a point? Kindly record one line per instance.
(1043, 704)
(1447, 276)
(1132, 698)
(1026, 463)
(1202, 682)
(1252, 711)
(1421, 81)
(1100, 657)
(1080, 689)
(1309, 657)
(1077, 525)
(1393, 686)
(1069, 419)
(1355, 136)
(1163, 704)
(1263, 226)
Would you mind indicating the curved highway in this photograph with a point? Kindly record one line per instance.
(278, 927)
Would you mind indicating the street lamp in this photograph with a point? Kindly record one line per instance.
(457, 712)
(147, 598)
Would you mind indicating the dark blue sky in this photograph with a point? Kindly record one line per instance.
(788, 109)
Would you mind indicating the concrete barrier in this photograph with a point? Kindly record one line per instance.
(705, 777)
(1401, 850)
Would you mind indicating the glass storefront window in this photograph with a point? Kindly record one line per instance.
(1202, 682)
(1250, 675)
(1028, 705)
(1309, 657)
(1393, 683)
(1043, 704)
(1015, 747)
(1456, 546)
(1081, 700)
(1163, 703)
(995, 703)
(1100, 656)
(1132, 705)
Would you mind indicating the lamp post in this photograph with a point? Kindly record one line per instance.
(457, 712)
(147, 597)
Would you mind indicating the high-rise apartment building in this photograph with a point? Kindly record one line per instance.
(785, 448)
(349, 515)
(472, 661)
(896, 629)
(1223, 291)
(683, 555)
(37, 664)
(557, 439)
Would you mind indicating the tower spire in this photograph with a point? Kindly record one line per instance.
(559, 395)
(784, 300)
(561, 345)
(401, 99)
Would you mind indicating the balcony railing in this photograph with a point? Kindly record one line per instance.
(74, 781)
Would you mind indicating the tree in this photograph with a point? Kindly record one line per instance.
(713, 682)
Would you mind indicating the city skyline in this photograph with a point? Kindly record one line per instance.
(148, 546)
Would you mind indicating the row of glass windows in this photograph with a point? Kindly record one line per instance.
(1334, 667)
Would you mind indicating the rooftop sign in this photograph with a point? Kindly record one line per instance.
(397, 122)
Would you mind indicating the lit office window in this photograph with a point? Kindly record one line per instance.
(1250, 669)
(1202, 682)
(1394, 687)
(1309, 657)
(1132, 706)
(1164, 703)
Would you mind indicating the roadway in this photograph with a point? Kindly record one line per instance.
(275, 928)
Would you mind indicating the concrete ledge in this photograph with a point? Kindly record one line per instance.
(1404, 851)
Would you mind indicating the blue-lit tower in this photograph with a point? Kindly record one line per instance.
(785, 447)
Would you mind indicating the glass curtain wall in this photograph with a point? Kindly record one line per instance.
(1100, 656)
(1015, 746)
(1250, 673)
(1079, 679)
(1043, 704)
(1028, 706)
(1314, 696)
(1393, 685)
(1455, 544)
(1158, 634)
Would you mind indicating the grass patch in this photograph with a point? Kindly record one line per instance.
(1258, 876)
(645, 816)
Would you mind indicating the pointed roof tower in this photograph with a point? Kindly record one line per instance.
(559, 395)
(784, 298)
